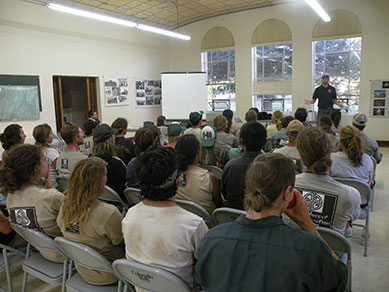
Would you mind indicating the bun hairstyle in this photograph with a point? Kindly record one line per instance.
(315, 150)
(157, 170)
(20, 164)
(350, 138)
(120, 124)
(11, 136)
(266, 177)
(187, 148)
(144, 138)
(276, 116)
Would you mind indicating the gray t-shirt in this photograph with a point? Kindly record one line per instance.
(226, 141)
(370, 147)
(288, 151)
(343, 167)
(348, 198)
(67, 160)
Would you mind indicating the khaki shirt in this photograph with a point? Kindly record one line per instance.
(67, 160)
(86, 148)
(101, 230)
(37, 208)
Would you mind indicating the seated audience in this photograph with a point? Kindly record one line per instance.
(315, 151)
(301, 114)
(89, 127)
(251, 116)
(275, 125)
(13, 135)
(84, 218)
(351, 162)
(161, 121)
(256, 111)
(232, 127)
(294, 128)
(258, 252)
(156, 231)
(125, 148)
(144, 138)
(67, 160)
(104, 148)
(282, 125)
(224, 140)
(326, 124)
(161, 124)
(197, 185)
(336, 116)
(369, 146)
(28, 205)
(43, 137)
(174, 132)
(253, 137)
(195, 120)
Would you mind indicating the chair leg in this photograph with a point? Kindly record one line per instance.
(120, 284)
(64, 274)
(70, 269)
(372, 200)
(24, 282)
(7, 270)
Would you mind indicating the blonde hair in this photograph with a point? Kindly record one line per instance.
(277, 116)
(85, 185)
(350, 138)
(266, 177)
(106, 147)
(220, 122)
(41, 133)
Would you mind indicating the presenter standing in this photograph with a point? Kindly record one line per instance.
(327, 98)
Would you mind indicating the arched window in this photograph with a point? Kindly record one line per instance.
(218, 60)
(272, 66)
(336, 51)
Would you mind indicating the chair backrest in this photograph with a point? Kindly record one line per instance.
(374, 166)
(110, 196)
(226, 215)
(63, 181)
(363, 189)
(83, 255)
(36, 238)
(216, 171)
(133, 195)
(195, 209)
(338, 243)
(149, 278)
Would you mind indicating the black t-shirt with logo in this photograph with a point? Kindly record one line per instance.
(326, 96)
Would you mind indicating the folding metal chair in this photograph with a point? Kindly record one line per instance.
(366, 195)
(226, 215)
(195, 209)
(216, 171)
(37, 265)
(338, 243)
(89, 258)
(372, 189)
(133, 195)
(63, 181)
(150, 278)
(10, 256)
(110, 196)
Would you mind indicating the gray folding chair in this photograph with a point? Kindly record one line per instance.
(195, 209)
(10, 256)
(372, 189)
(149, 278)
(86, 257)
(216, 171)
(110, 196)
(133, 195)
(37, 265)
(226, 215)
(63, 181)
(338, 243)
(366, 195)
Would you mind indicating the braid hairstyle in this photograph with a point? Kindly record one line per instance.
(350, 138)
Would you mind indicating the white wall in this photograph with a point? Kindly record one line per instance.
(373, 14)
(35, 40)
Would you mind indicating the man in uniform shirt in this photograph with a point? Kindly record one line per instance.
(327, 98)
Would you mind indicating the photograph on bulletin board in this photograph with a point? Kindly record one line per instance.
(379, 104)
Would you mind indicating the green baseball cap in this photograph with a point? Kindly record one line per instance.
(195, 117)
(208, 136)
(148, 123)
(174, 130)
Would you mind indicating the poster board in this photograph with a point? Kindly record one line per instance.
(148, 93)
(116, 91)
(379, 98)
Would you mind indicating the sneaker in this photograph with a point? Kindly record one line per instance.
(348, 231)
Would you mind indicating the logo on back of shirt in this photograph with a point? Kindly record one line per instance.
(64, 163)
(25, 216)
(87, 144)
(73, 228)
(329, 90)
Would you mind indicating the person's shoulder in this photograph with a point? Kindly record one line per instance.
(220, 231)
(188, 217)
(104, 209)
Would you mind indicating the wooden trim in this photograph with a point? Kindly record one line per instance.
(58, 102)
(383, 143)
(87, 106)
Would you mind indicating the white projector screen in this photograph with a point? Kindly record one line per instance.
(183, 93)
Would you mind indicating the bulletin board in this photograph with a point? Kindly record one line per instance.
(379, 98)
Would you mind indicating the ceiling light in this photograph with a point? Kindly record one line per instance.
(91, 15)
(163, 32)
(319, 10)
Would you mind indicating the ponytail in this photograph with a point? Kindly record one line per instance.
(351, 140)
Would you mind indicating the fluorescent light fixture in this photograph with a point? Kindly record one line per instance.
(319, 10)
(91, 15)
(163, 32)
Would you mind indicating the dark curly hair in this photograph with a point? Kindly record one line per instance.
(11, 136)
(20, 165)
(157, 173)
(187, 148)
(146, 137)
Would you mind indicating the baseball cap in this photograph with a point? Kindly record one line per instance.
(103, 132)
(295, 126)
(195, 117)
(208, 136)
(174, 130)
(360, 119)
(325, 76)
(148, 123)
